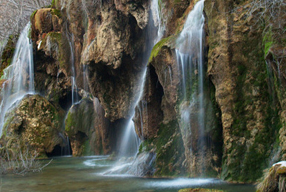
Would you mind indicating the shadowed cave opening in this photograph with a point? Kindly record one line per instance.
(66, 101)
(60, 150)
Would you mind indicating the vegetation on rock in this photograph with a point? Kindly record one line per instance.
(35, 122)
(200, 190)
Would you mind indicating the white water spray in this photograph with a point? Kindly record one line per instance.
(189, 54)
(130, 141)
(130, 136)
(156, 7)
(74, 86)
(19, 76)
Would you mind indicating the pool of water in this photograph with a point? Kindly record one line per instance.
(85, 174)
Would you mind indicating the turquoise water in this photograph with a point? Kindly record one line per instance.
(69, 174)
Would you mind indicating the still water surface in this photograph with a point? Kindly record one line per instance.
(69, 174)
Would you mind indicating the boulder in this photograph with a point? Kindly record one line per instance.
(36, 123)
(87, 128)
(274, 179)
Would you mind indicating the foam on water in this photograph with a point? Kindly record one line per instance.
(181, 182)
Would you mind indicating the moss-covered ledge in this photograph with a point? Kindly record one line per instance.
(199, 190)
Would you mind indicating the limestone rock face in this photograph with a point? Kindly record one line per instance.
(105, 44)
(148, 114)
(52, 57)
(274, 53)
(35, 122)
(85, 126)
(112, 52)
(79, 125)
(243, 87)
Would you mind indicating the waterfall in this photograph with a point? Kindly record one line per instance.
(130, 141)
(156, 7)
(19, 76)
(73, 81)
(130, 137)
(189, 52)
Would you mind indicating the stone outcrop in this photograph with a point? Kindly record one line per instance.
(52, 57)
(114, 65)
(274, 179)
(236, 66)
(79, 125)
(36, 123)
(85, 125)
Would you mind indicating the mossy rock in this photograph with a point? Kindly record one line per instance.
(168, 41)
(169, 150)
(200, 190)
(7, 54)
(55, 45)
(281, 170)
(80, 127)
(35, 122)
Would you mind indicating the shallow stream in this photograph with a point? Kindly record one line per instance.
(69, 174)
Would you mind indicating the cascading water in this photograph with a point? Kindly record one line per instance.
(130, 137)
(73, 81)
(156, 7)
(189, 52)
(19, 76)
(130, 141)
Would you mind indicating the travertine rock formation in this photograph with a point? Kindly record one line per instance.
(36, 123)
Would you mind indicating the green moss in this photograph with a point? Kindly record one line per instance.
(146, 145)
(33, 15)
(267, 41)
(7, 54)
(57, 12)
(156, 49)
(69, 122)
(53, 4)
(86, 148)
(63, 53)
(169, 149)
(252, 142)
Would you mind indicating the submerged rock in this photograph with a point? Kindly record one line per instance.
(36, 123)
